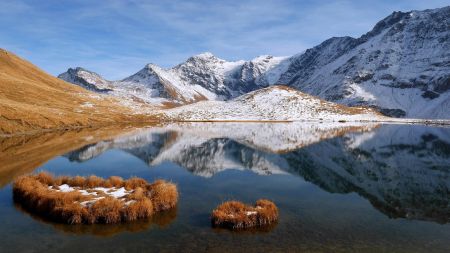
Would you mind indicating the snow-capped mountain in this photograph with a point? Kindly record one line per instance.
(401, 68)
(86, 79)
(201, 77)
(128, 91)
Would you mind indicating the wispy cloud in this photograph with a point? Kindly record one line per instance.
(116, 38)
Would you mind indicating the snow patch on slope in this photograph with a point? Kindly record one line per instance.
(274, 103)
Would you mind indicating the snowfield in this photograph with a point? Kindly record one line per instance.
(276, 103)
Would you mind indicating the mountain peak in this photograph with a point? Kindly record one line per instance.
(150, 67)
(205, 55)
(388, 21)
(262, 57)
(147, 73)
(77, 70)
(397, 19)
(85, 78)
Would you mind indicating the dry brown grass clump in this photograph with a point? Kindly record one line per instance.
(164, 196)
(88, 202)
(237, 215)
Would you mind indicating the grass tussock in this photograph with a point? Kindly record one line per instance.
(237, 215)
(43, 194)
(164, 196)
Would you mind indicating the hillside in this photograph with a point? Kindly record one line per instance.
(30, 99)
(401, 68)
(275, 103)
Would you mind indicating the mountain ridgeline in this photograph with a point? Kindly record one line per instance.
(401, 68)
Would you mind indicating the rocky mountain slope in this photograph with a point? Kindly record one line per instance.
(86, 79)
(401, 68)
(31, 99)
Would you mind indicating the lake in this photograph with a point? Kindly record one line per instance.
(339, 187)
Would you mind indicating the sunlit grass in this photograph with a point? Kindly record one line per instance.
(91, 199)
(237, 215)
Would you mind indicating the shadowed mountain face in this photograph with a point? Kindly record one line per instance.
(404, 171)
(400, 67)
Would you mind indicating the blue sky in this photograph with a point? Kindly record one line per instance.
(117, 38)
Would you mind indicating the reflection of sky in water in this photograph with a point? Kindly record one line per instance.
(378, 174)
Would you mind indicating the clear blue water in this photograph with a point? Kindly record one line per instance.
(386, 190)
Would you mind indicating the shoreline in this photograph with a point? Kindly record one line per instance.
(130, 125)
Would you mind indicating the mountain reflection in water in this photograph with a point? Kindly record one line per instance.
(402, 170)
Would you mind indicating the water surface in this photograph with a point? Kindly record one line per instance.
(344, 188)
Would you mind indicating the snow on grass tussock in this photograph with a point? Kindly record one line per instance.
(108, 191)
(93, 199)
(277, 103)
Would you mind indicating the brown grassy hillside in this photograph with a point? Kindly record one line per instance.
(31, 99)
